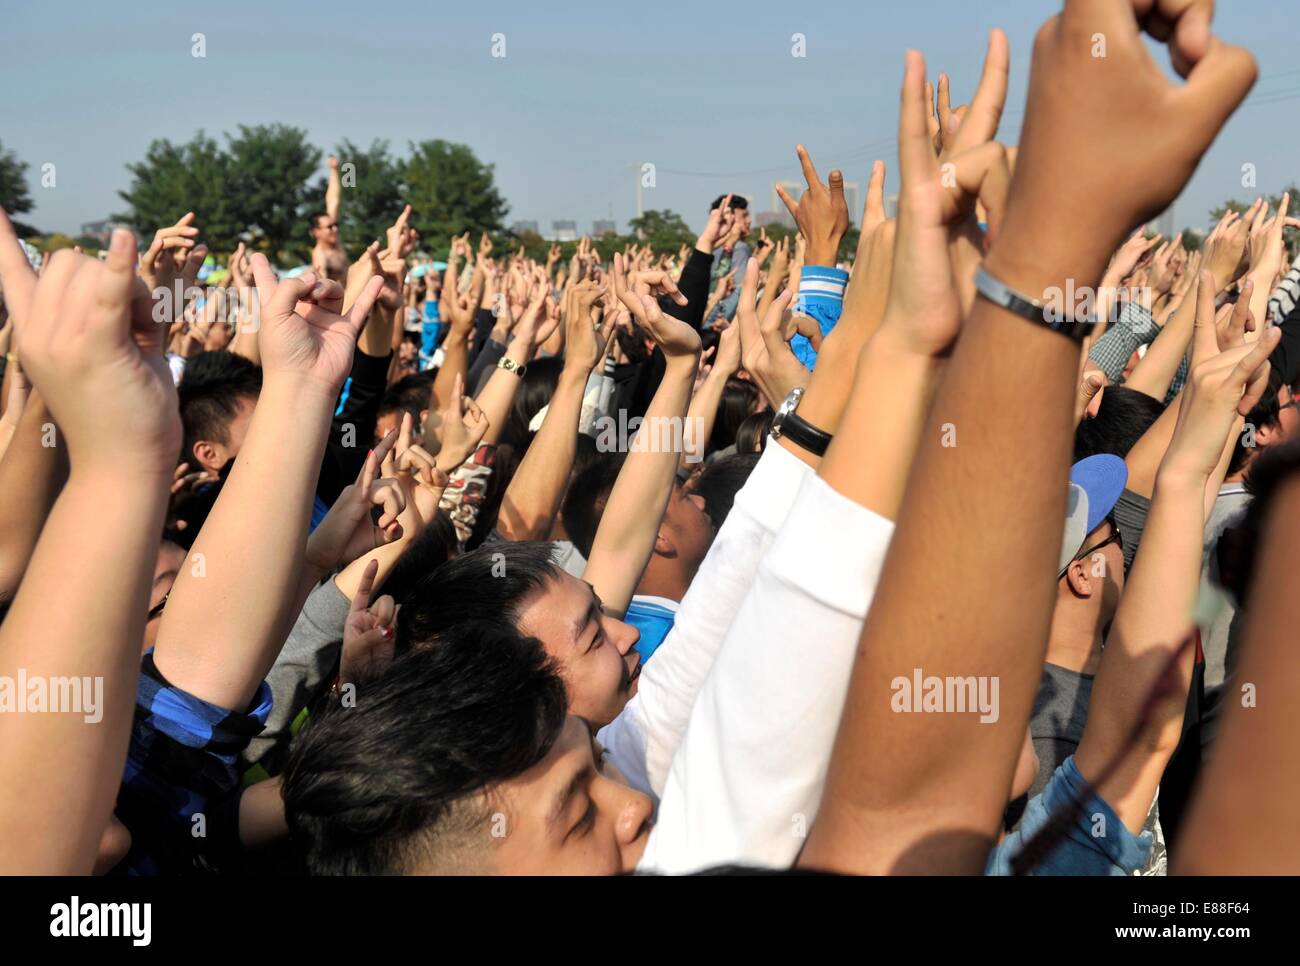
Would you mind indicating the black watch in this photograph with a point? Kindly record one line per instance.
(797, 429)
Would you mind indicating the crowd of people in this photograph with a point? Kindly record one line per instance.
(967, 553)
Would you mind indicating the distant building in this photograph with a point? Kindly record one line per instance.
(1164, 225)
(764, 218)
(101, 231)
(563, 231)
(603, 226)
(891, 206)
(522, 227)
(854, 205)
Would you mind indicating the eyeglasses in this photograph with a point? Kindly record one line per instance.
(157, 609)
(1114, 537)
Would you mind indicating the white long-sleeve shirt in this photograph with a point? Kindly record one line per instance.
(641, 741)
(747, 778)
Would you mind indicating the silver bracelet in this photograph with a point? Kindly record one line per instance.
(1040, 313)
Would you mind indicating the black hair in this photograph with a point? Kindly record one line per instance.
(720, 482)
(737, 201)
(536, 387)
(584, 503)
(751, 437)
(735, 406)
(632, 343)
(210, 391)
(397, 778)
(410, 394)
(1123, 415)
(430, 548)
(486, 584)
(1267, 414)
(316, 216)
(1238, 546)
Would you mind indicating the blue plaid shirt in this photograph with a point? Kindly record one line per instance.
(181, 764)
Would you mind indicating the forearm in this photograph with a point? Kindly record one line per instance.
(630, 521)
(498, 395)
(701, 415)
(531, 501)
(221, 630)
(1258, 737)
(956, 771)
(333, 194)
(881, 426)
(455, 362)
(92, 638)
(1150, 627)
(377, 337)
(1155, 371)
(31, 474)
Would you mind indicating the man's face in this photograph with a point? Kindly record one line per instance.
(571, 813)
(742, 220)
(326, 232)
(1103, 568)
(168, 564)
(212, 455)
(1288, 421)
(595, 652)
(686, 532)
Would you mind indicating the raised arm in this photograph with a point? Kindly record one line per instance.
(532, 500)
(77, 332)
(630, 522)
(1135, 718)
(225, 621)
(938, 805)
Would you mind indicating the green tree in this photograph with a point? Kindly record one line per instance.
(15, 198)
(1274, 201)
(176, 178)
(662, 230)
(371, 196)
(450, 191)
(270, 167)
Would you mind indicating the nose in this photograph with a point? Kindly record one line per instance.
(625, 636)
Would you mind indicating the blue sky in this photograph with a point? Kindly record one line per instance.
(709, 93)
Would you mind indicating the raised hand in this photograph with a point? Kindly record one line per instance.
(368, 631)
(349, 528)
(88, 343)
(821, 212)
(672, 335)
(1224, 383)
(924, 307)
(453, 433)
(302, 332)
(1266, 247)
(585, 340)
(763, 353)
(173, 256)
(1095, 185)
(1227, 246)
(715, 227)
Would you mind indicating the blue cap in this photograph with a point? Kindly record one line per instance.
(1103, 478)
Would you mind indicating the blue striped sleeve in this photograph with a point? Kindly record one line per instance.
(821, 298)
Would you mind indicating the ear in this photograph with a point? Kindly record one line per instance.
(1268, 435)
(208, 455)
(1079, 579)
(663, 546)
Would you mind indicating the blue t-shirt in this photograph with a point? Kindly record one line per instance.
(654, 621)
(1097, 843)
(429, 331)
